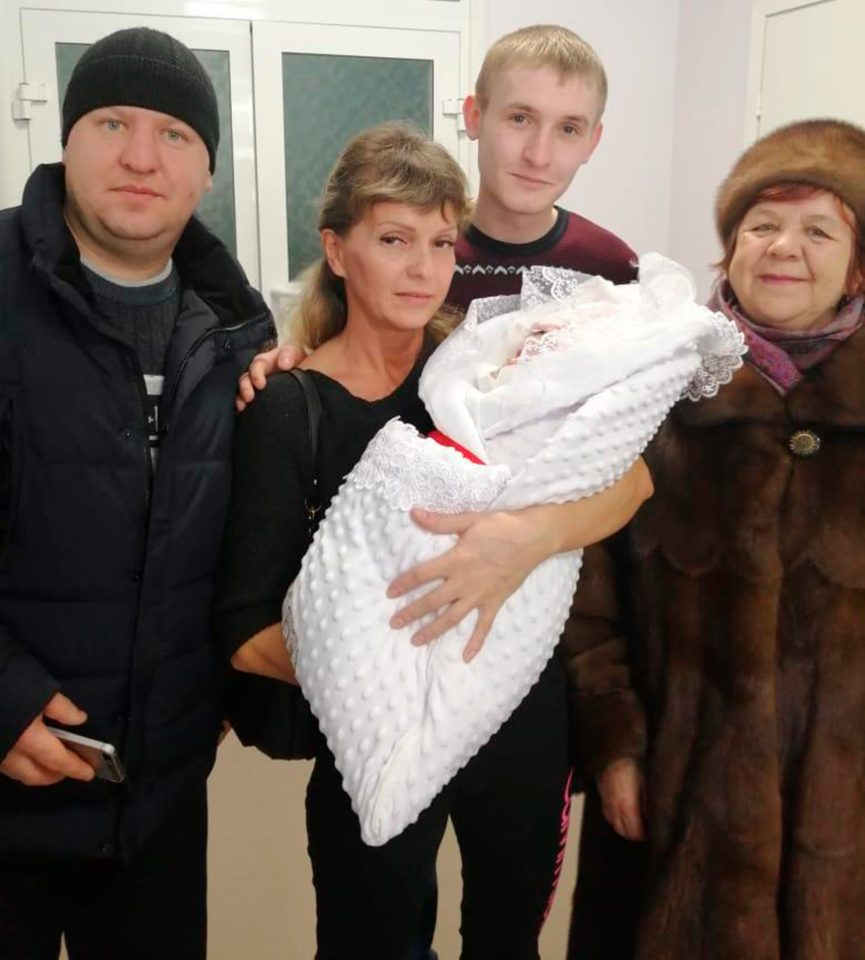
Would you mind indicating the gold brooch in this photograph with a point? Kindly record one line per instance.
(804, 443)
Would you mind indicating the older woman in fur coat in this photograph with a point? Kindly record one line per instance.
(717, 651)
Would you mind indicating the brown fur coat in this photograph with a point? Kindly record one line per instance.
(725, 645)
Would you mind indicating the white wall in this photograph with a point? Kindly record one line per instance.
(626, 186)
(711, 81)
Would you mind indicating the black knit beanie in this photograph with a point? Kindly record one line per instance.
(146, 68)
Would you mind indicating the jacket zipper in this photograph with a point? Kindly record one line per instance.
(184, 363)
(140, 392)
(134, 366)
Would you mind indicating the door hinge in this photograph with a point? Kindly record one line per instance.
(454, 108)
(26, 94)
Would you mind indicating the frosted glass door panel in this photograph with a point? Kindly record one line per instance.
(55, 40)
(67, 55)
(315, 87)
(326, 100)
(217, 207)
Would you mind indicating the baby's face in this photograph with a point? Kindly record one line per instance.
(536, 339)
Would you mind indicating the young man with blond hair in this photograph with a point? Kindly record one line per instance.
(536, 115)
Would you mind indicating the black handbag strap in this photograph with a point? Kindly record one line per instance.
(268, 714)
(313, 416)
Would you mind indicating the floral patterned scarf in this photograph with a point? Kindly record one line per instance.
(782, 356)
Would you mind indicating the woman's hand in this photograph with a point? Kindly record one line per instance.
(262, 365)
(265, 654)
(494, 554)
(497, 551)
(621, 787)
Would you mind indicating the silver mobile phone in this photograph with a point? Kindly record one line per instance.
(102, 756)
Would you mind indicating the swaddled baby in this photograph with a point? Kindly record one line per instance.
(556, 392)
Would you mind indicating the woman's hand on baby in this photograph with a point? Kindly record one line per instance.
(621, 787)
(494, 554)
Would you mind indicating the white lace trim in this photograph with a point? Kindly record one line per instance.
(488, 307)
(289, 635)
(718, 365)
(409, 470)
(543, 284)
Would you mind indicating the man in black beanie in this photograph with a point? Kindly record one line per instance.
(124, 325)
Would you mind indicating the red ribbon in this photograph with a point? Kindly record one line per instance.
(446, 441)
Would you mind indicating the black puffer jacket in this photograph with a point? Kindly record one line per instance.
(105, 572)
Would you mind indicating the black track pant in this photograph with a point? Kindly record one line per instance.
(152, 907)
(507, 807)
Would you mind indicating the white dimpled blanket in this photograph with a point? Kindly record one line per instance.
(558, 391)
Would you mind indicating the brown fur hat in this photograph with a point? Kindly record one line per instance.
(829, 154)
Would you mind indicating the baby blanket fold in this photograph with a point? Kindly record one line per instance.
(557, 393)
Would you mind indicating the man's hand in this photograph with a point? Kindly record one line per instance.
(262, 366)
(621, 786)
(494, 554)
(496, 551)
(38, 758)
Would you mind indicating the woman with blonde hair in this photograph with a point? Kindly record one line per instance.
(371, 314)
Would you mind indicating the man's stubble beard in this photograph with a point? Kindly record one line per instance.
(113, 239)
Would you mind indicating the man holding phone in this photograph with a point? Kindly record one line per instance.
(124, 325)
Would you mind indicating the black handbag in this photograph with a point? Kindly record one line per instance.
(266, 713)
